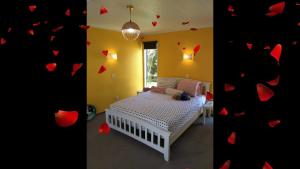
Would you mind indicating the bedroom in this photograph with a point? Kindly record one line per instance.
(175, 45)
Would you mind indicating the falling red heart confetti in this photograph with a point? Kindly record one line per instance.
(103, 11)
(226, 165)
(223, 112)
(298, 24)
(154, 23)
(52, 38)
(76, 67)
(276, 52)
(267, 47)
(46, 22)
(57, 28)
(183, 48)
(88, 43)
(178, 43)
(264, 93)
(84, 12)
(157, 16)
(239, 114)
(297, 4)
(275, 81)
(267, 166)
(66, 118)
(273, 123)
(32, 8)
(9, 29)
(276, 9)
(209, 96)
(249, 45)
(229, 87)
(55, 52)
(104, 129)
(102, 69)
(231, 139)
(230, 8)
(193, 29)
(294, 42)
(2, 41)
(30, 32)
(105, 52)
(233, 14)
(185, 23)
(84, 27)
(68, 12)
(196, 49)
(242, 74)
(36, 24)
(51, 67)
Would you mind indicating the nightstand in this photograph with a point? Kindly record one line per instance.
(208, 108)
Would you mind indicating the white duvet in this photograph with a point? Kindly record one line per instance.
(160, 110)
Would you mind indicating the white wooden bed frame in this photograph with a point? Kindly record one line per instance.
(151, 135)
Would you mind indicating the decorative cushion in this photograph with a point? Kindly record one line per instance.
(189, 86)
(166, 82)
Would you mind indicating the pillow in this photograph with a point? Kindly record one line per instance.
(158, 90)
(189, 86)
(171, 91)
(166, 82)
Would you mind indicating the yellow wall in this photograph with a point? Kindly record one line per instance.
(128, 68)
(170, 60)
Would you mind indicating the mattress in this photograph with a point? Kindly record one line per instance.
(160, 110)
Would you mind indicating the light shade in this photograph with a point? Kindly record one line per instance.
(130, 31)
(187, 56)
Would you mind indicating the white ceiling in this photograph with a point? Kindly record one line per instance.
(172, 13)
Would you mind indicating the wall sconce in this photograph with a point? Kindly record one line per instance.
(187, 56)
(113, 55)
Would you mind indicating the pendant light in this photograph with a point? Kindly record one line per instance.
(130, 30)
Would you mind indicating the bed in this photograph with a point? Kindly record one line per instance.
(155, 119)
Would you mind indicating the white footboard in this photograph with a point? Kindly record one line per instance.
(158, 139)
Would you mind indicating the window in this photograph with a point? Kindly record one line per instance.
(150, 64)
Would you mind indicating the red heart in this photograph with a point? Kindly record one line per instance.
(76, 67)
(68, 12)
(178, 43)
(84, 12)
(9, 29)
(267, 47)
(229, 87)
(297, 4)
(46, 22)
(226, 165)
(233, 14)
(55, 52)
(209, 96)
(196, 49)
(267, 166)
(103, 11)
(223, 112)
(105, 52)
(242, 74)
(298, 24)
(183, 48)
(275, 81)
(66, 118)
(36, 24)
(102, 69)
(84, 27)
(294, 42)
(276, 9)
(51, 67)
(239, 114)
(230, 8)
(32, 8)
(104, 129)
(30, 32)
(52, 38)
(57, 28)
(157, 16)
(276, 52)
(2, 41)
(184, 23)
(264, 93)
(231, 139)
(249, 45)
(193, 29)
(88, 43)
(154, 23)
(274, 123)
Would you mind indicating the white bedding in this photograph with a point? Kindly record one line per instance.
(159, 109)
